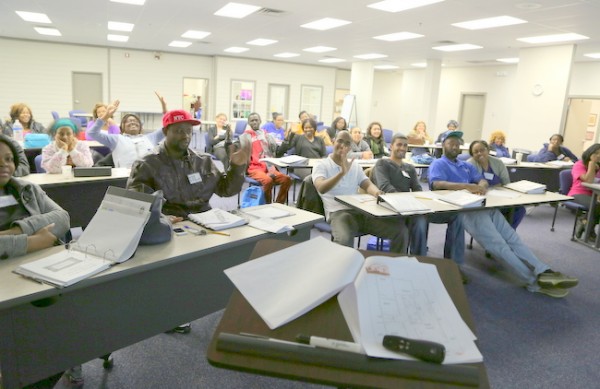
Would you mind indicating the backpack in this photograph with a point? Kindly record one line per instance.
(252, 196)
(33, 140)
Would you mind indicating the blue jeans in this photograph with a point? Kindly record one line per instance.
(491, 230)
(454, 247)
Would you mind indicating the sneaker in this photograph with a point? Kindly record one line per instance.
(182, 329)
(74, 376)
(580, 227)
(556, 279)
(553, 292)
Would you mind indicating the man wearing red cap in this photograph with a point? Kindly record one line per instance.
(187, 179)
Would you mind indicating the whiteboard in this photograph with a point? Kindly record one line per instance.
(349, 108)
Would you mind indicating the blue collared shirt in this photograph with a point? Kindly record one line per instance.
(443, 169)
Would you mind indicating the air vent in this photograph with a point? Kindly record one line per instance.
(270, 11)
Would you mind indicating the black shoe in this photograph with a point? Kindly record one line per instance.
(182, 329)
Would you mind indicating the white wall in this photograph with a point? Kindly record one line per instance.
(387, 88)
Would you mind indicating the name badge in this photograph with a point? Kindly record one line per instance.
(7, 201)
(488, 176)
(194, 178)
(560, 157)
(405, 174)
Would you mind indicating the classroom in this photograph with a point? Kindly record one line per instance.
(552, 88)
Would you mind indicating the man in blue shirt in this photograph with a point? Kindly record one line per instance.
(489, 227)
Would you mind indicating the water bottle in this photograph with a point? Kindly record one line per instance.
(17, 131)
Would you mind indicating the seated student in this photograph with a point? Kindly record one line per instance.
(359, 148)
(375, 140)
(22, 113)
(264, 146)
(336, 175)
(393, 175)
(109, 127)
(29, 219)
(217, 135)
(553, 151)
(419, 136)
(276, 127)
(489, 227)
(23, 165)
(496, 173)
(307, 145)
(65, 149)
(451, 126)
(498, 144)
(321, 134)
(586, 170)
(130, 144)
(339, 124)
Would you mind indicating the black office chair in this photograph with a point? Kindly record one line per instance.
(566, 181)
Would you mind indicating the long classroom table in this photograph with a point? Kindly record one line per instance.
(46, 330)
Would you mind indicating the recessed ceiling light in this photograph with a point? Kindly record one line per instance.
(180, 44)
(47, 31)
(553, 38)
(319, 49)
(398, 36)
(370, 56)
(332, 60)
(401, 5)
(498, 21)
(237, 10)
(235, 49)
(419, 64)
(457, 47)
(118, 26)
(508, 60)
(325, 24)
(193, 34)
(133, 2)
(261, 42)
(385, 67)
(117, 38)
(33, 17)
(286, 55)
(592, 55)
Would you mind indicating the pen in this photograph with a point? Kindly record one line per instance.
(334, 344)
(262, 337)
(204, 232)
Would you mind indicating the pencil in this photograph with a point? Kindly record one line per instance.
(218, 233)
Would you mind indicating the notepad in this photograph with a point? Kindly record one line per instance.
(525, 186)
(463, 199)
(403, 203)
(217, 219)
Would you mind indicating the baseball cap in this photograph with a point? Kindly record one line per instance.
(455, 134)
(178, 116)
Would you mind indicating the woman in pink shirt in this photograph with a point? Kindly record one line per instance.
(587, 169)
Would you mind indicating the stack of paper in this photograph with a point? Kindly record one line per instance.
(217, 219)
(560, 163)
(508, 161)
(403, 203)
(294, 160)
(525, 186)
(463, 199)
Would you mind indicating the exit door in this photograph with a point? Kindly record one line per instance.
(471, 116)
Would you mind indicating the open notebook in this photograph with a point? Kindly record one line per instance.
(111, 237)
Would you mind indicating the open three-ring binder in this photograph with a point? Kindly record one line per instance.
(111, 237)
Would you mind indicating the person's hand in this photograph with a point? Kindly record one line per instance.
(567, 159)
(174, 219)
(594, 164)
(163, 103)
(240, 156)
(42, 239)
(110, 110)
(555, 148)
(367, 155)
(346, 165)
(60, 144)
(71, 144)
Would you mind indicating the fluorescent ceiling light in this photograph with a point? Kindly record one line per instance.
(401, 5)
(319, 49)
(592, 55)
(370, 56)
(325, 24)
(117, 38)
(286, 55)
(47, 31)
(180, 44)
(553, 38)
(457, 47)
(235, 49)
(33, 17)
(332, 60)
(118, 26)
(498, 21)
(385, 67)
(419, 64)
(261, 42)
(237, 10)
(508, 60)
(398, 36)
(134, 2)
(193, 34)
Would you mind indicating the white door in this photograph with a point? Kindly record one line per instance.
(278, 101)
(580, 121)
(87, 90)
(471, 116)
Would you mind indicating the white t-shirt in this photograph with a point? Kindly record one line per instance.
(349, 184)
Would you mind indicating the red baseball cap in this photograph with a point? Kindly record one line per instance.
(178, 116)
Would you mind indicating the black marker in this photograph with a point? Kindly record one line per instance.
(420, 349)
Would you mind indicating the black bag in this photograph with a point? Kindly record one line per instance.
(158, 229)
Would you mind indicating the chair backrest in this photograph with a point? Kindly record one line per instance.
(565, 178)
(240, 127)
(55, 115)
(387, 135)
(38, 164)
(81, 119)
(309, 198)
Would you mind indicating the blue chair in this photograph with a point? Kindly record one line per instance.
(240, 127)
(38, 164)
(55, 115)
(565, 178)
(81, 119)
(387, 136)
